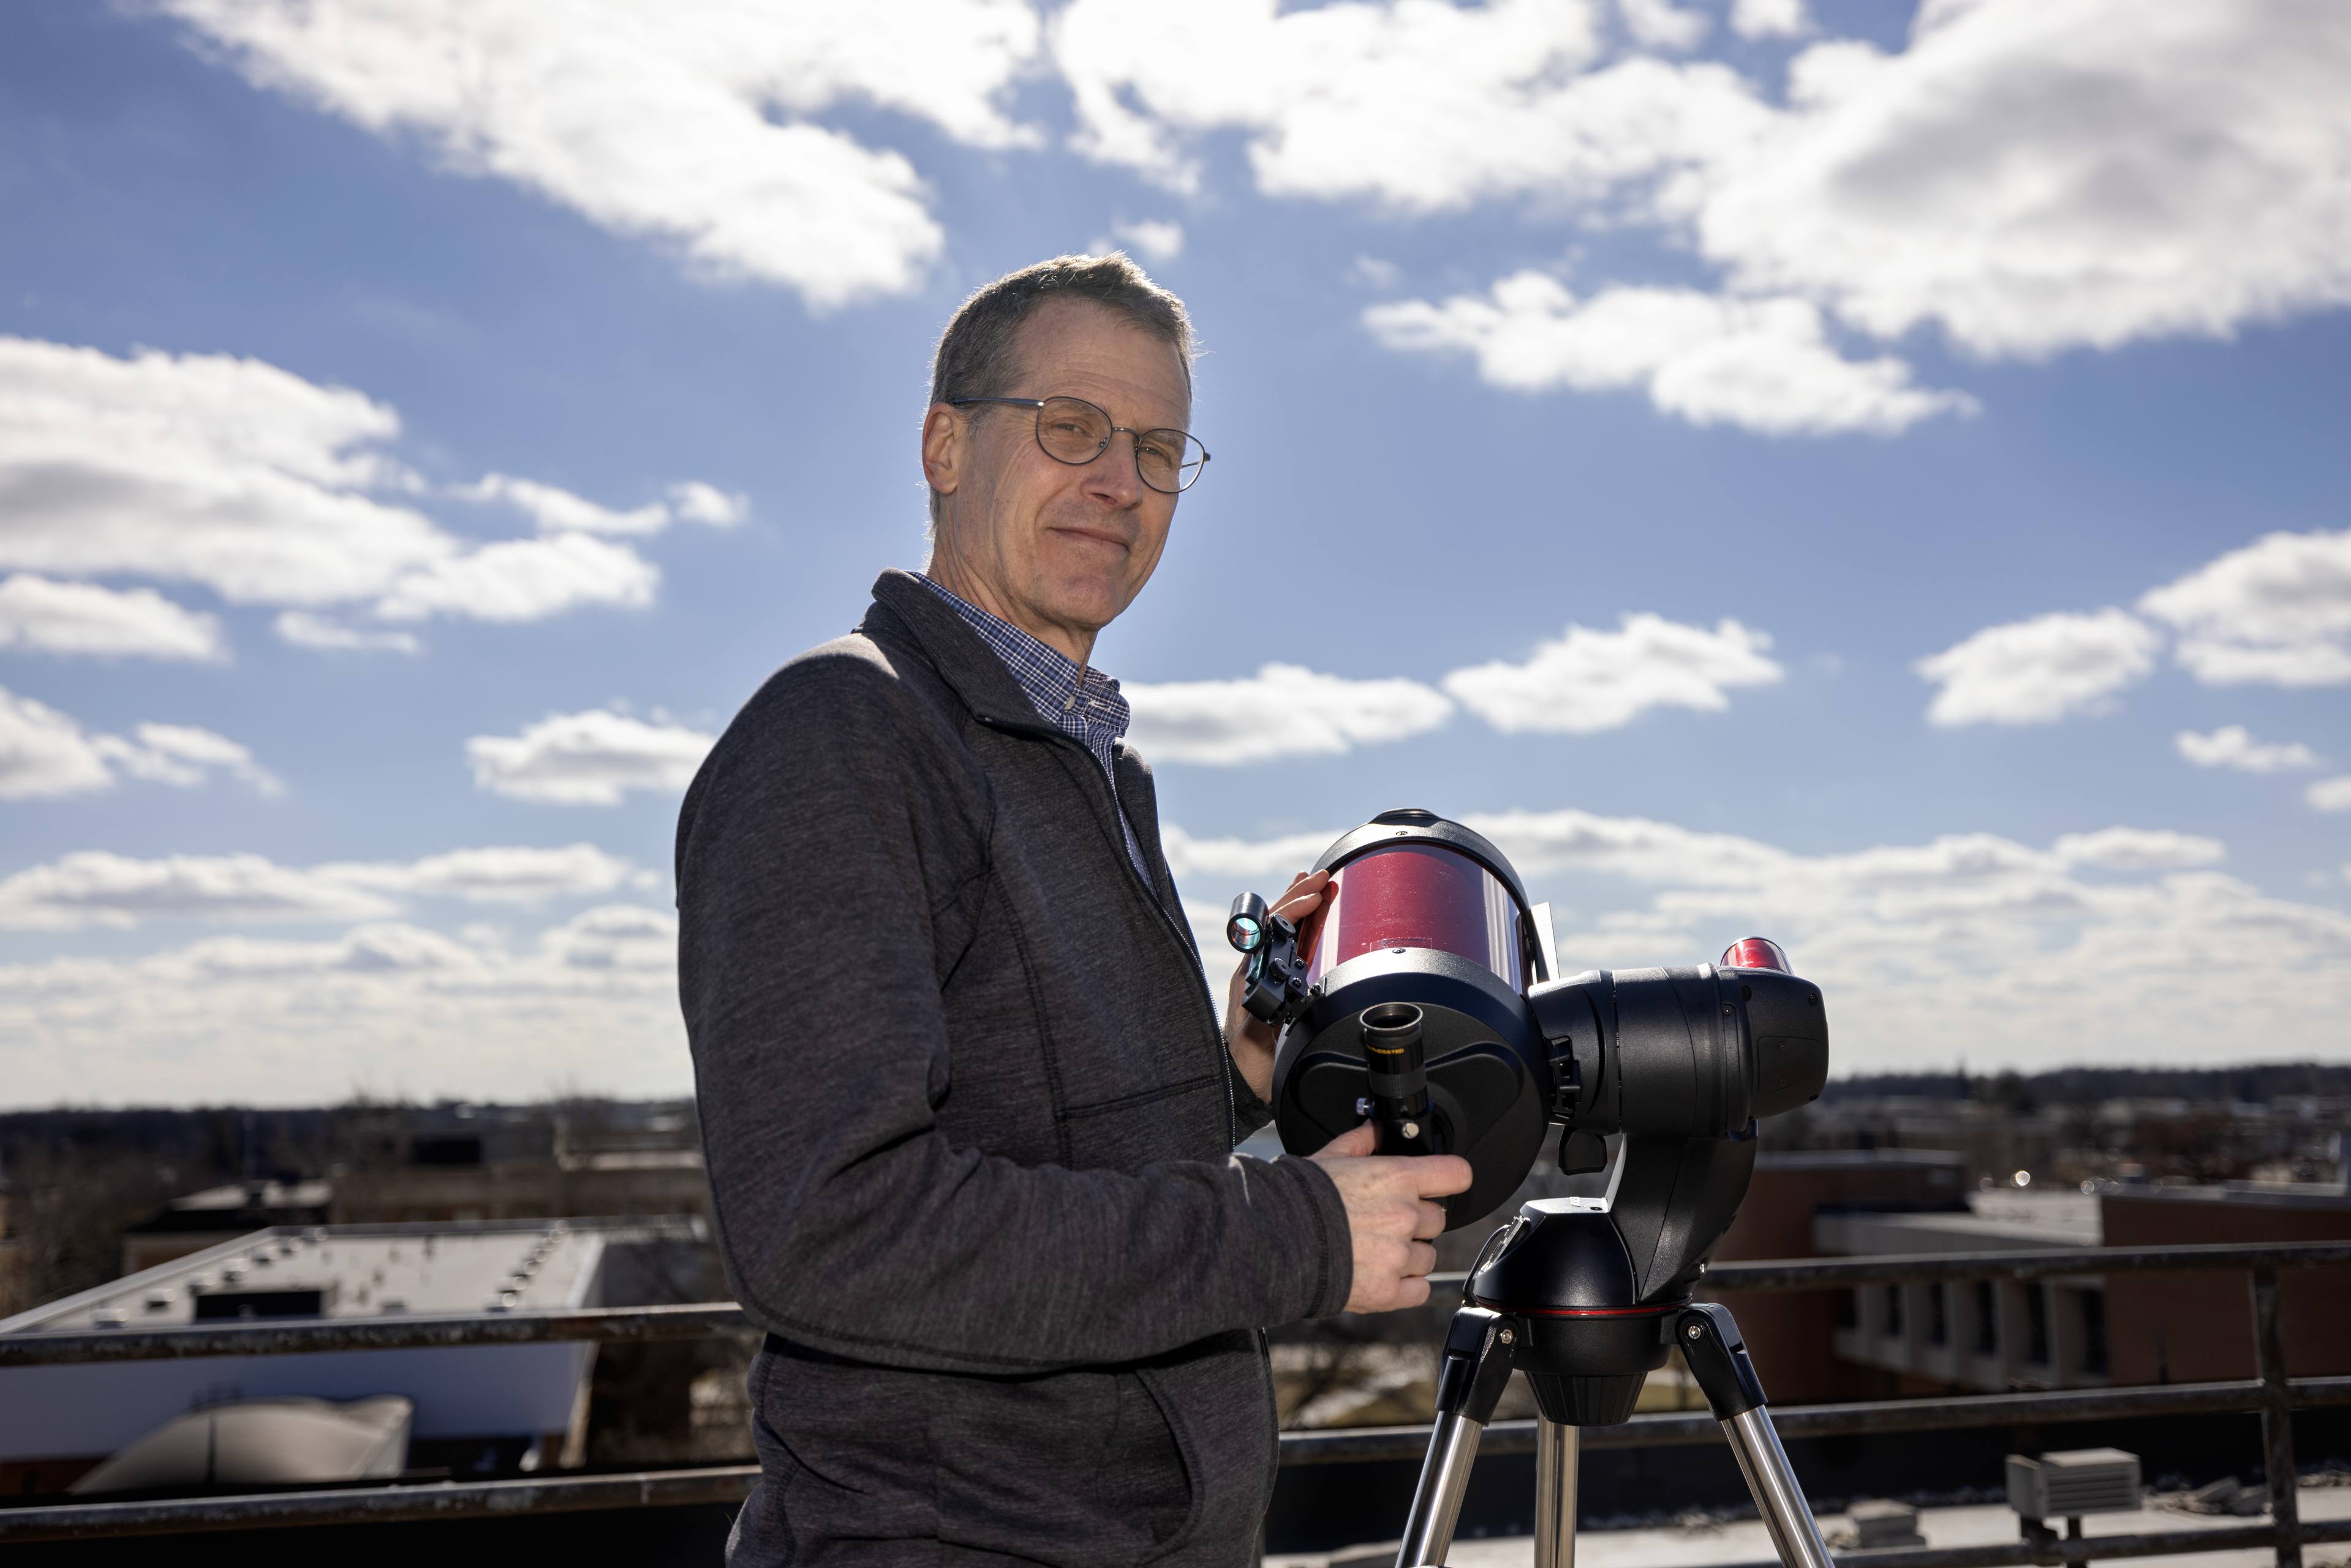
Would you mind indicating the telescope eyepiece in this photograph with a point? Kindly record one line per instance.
(1391, 1036)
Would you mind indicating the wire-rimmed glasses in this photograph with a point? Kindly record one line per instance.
(1071, 429)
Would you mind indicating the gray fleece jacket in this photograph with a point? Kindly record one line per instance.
(970, 1118)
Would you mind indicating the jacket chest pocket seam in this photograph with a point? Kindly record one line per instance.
(1140, 1098)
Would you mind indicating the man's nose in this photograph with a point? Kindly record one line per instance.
(1113, 478)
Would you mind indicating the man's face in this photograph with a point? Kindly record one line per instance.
(1056, 549)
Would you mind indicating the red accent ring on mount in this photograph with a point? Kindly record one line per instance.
(1656, 1312)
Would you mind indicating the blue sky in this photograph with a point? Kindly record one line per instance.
(1829, 340)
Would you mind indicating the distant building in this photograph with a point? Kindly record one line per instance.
(1992, 1335)
(205, 1219)
(491, 1162)
(478, 1409)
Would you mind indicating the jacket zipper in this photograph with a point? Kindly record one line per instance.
(1150, 896)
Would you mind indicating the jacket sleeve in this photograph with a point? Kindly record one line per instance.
(807, 887)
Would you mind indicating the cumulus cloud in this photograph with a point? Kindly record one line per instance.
(1662, 25)
(2331, 794)
(590, 1002)
(1764, 365)
(694, 123)
(591, 758)
(1769, 18)
(2101, 947)
(500, 874)
(2232, 746)
(1154, 239)
(524, 579)
(97, 888)
(2036, 175)
(305, 629)
(2030, 175)
(1284, 710)
(2037, 671)
(43, 754)
(2277, 611)
(47, 755)
(260, 486)
(1421, 108)
(51, 617)
(555, 509)
(1587, 680)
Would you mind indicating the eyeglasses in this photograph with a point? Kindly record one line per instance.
(1075, 432)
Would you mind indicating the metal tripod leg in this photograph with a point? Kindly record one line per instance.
(1717, 1359)
(1554, 1495)
(1469, 1382)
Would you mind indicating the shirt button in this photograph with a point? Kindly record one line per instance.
(1071, 703)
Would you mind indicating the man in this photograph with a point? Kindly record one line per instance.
(968, 1107)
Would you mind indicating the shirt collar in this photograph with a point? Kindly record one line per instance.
(1055, 684)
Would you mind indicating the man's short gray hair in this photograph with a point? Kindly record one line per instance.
(975, 357)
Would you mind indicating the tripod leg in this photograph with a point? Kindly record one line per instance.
(1717, 1359)
(1469, 1383)
(1554, 1495)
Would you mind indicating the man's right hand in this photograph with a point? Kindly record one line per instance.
(1390, 1216)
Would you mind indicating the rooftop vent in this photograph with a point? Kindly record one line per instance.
(2070, 1484)
(216, 1306)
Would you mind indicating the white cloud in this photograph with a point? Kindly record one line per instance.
(2277, 611)
(1661, 24)
(696, 502)
(1421, 106)
(2036, 670)
(524, 579)
(2232, 746)
(1764, 365)
(1154, 239)
(1587, 680)
(2031, 175)
(305, 630)
(93, 887)
(2330, 794)
(589, 758)
(1971, 943)
(182, 754)
(2138, 849)
(97, 888)
(43, 754)
(52, 617)
(589, 1004)
(2043, 174)
(1281, 710)
(691, 121)
(500, 874)
(1769, 18)
(556, 510)
(47, 755)
(254, 482)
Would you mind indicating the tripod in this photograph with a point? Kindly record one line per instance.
(1551, 1296)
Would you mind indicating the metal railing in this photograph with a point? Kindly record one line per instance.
(2270, 1392)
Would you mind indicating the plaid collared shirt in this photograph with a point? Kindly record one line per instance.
(1076, 699)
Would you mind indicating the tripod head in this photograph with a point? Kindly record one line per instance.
(1676, 1065)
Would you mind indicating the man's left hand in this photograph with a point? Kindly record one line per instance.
(1252, 1042)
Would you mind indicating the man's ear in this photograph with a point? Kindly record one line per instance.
(945, 447)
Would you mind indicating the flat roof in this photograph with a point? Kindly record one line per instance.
(361, 1270)
(1993, 1222)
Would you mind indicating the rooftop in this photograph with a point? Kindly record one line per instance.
(345, 1272)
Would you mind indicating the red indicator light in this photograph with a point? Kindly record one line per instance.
(1756, 953)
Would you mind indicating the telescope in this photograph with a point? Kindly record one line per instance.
(1424, 996)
